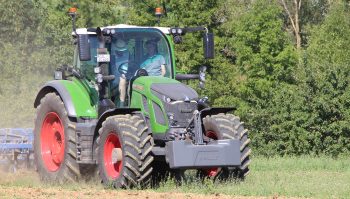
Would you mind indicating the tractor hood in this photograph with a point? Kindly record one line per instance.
(165, 87)
(175, 91)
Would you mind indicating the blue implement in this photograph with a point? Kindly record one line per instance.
(16, 138)
(16, 145)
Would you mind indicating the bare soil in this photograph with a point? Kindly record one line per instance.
(44, 193)
(26, 184)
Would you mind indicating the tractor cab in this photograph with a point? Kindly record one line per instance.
(124, 50)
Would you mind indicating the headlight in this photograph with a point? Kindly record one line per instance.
(170, 116)
(177, 39)
(58, 74)
(166, 99)
(97, 70)
(99, 78)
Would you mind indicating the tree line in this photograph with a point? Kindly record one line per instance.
(283, 64)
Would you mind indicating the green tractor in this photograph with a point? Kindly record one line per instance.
(121, 112)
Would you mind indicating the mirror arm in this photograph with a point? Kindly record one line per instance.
(206, 30)
(186, 76)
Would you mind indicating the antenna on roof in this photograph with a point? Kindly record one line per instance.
(73, 13)
(159, 13)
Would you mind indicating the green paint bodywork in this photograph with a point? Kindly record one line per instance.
(84, 98)
(142, 87)
(172, 51)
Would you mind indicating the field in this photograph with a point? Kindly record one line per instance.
(288, 177)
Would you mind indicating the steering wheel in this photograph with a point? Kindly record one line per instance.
(130, 69)
(141, 72)
(123, 68)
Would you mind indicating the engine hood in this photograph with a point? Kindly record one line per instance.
(165, 87)
(175, 91)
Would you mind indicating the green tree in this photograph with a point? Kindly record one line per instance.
(327, 82)
(266, 60)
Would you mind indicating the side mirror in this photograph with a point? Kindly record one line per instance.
(208, 45)
(84, 47)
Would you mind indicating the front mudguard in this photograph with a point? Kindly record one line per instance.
(215, 111)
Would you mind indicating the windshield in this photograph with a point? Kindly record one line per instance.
(131, 49)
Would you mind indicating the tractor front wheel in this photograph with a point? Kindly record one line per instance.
(54, 141)
(123, 150)
(227, 126)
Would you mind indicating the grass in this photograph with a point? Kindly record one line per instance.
(304, 177)
(289, 176)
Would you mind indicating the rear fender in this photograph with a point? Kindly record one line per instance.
(75, 98)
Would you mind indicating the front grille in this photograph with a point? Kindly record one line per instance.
(182, 112)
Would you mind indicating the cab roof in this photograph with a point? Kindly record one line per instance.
(80, 31)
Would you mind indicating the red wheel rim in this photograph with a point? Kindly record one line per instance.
(52, 141)
(211, 172)
(113, 168)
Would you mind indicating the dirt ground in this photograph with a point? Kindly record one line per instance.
(26, 184)
(16, 192)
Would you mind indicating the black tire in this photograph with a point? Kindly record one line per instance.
(136, 146)
(51, 105)
(162, 172)
(228, 126)
(88, 172)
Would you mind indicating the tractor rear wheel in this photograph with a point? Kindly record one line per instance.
(227, 126)
(54, 141)
(123, 150)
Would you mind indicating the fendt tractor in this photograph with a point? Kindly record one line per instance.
(120, 112)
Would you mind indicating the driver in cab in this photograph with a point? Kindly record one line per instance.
(155, 62)
(121, 63)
